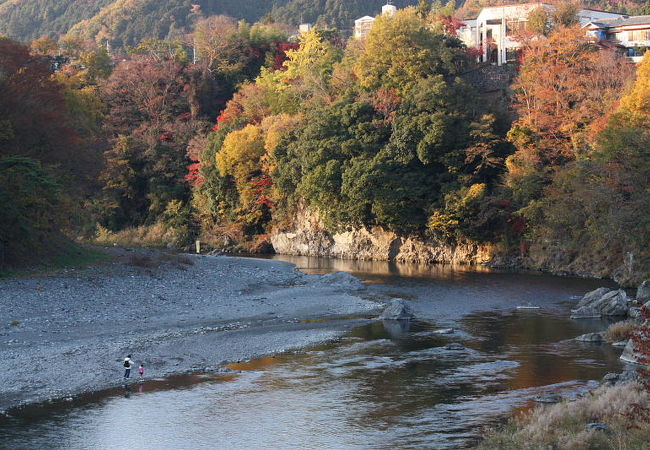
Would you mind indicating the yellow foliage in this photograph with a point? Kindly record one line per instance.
(275, 128)
(636, 104)
(241, 152)
(444, 224)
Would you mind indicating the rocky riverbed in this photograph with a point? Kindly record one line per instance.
(66, 333)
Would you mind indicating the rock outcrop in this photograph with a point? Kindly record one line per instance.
(398, 310)
(643, 292)
(601, 302)
(630, 355)
(310, 238)
(595, 338)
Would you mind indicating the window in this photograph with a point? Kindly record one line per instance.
(638, 35)
(515, 26)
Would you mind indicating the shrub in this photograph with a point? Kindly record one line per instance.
(564, 425)
(620, 331)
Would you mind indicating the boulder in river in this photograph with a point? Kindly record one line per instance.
(601, 302)
(454, 346)
(643, 292)
(444, 331)
(548, 398)
(343, 280)
(595, 338)
(634, 312)
(630, 355)
(398, 310)
(611, 378)
(596, 426)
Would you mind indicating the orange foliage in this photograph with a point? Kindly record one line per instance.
(565, 85)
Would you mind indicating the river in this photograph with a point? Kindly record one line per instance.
(384, 385)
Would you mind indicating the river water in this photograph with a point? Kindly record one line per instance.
(384, 385)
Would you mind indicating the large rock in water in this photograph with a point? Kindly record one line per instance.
(342, 280)
(595, 338)
(630, 355)
(601, 302)
(643, 292)
(398, 310)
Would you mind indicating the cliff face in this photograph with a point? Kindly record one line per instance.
(309, 238)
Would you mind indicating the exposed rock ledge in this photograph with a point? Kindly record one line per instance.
(311, 239)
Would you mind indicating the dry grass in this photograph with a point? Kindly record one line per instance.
(156, 235)
(563, 426)
(620, 331)
(145, 261)
(157, 258)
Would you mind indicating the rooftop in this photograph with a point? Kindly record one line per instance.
(622, 22)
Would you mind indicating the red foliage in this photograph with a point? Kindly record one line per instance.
(474, 52)
(386, 102)
(193, 174)
(450, 25)
(35, 107)
(641, 340)
(262, 182)
(281, 54)
(262, 187)
(517, 224)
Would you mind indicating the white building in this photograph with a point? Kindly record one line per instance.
(629, 33)
(496, 28)
(363, 25)
(305, 28)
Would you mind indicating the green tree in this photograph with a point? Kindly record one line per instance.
(538, 21)
(31, 216)
(402, 49)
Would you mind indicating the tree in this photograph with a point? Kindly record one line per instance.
(220, 45)
(423, 8)
(565, 14)
(580, 83)
(241, 158)
(589, 210)
(309, 68)
(150, 124)
(538, 21)
(31, 215)
(402, 49)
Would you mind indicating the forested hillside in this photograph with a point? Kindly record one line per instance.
(126, 22)
(31, 19)
(335, 13)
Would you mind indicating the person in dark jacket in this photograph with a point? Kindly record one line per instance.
(128, 363)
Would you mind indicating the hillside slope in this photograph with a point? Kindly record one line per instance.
(126, 22)
(30, 19)
(336, 13)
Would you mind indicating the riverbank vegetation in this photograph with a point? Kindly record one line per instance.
(619, 418)
(230, 138)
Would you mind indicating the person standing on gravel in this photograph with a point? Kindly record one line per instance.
(128, 363)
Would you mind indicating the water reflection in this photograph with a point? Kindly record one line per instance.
(385, 385)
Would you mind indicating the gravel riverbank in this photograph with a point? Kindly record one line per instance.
(66, 333)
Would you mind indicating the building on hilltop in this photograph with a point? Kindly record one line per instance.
(495, 29)
(363, 25)
(632, 34)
